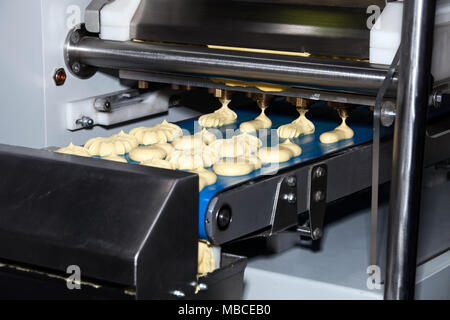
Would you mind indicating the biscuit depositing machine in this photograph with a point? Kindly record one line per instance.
(117, 63)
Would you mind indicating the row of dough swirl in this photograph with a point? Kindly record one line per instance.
(244, 164)
(118, 144)
(221, 117)
(160, 133)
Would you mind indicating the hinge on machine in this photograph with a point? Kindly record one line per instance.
(313, 225)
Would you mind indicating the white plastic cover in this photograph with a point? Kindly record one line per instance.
(386, 33)
(115, 19)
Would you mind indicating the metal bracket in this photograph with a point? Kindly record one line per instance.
(73, 64)
(313, 226)
(115, 101)
(92, 15)
(286, 207)
(115, 107)
(379, 116)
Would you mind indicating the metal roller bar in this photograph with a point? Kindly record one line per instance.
(84, 52)
(409, 142)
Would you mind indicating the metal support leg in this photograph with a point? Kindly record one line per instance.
(409, 140)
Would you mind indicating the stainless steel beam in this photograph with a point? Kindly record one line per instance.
(312, 73)
(311, 94)
(409, 141)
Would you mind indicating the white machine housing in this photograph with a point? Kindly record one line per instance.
(33, 50)
(385, 37)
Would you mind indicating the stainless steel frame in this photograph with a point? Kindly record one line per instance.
(86, 52)
(409, 142)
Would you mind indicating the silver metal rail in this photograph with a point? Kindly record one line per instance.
(83, 52)
(409, 140)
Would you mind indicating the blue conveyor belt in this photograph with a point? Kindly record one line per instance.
(312, 149)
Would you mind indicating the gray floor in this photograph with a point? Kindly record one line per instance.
(338, 269)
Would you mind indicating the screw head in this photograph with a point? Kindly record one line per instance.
(75, 37)
(291, 181)
(290, 197)
(60, 76)
(437, 99)
(319, 172)
(178, 293)
(107, 106)
(319, 196)
(224, 217)
(387, 113)
(90, 122)
(85, 122)
(203, 286)
(76, 67)
(317, 233)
